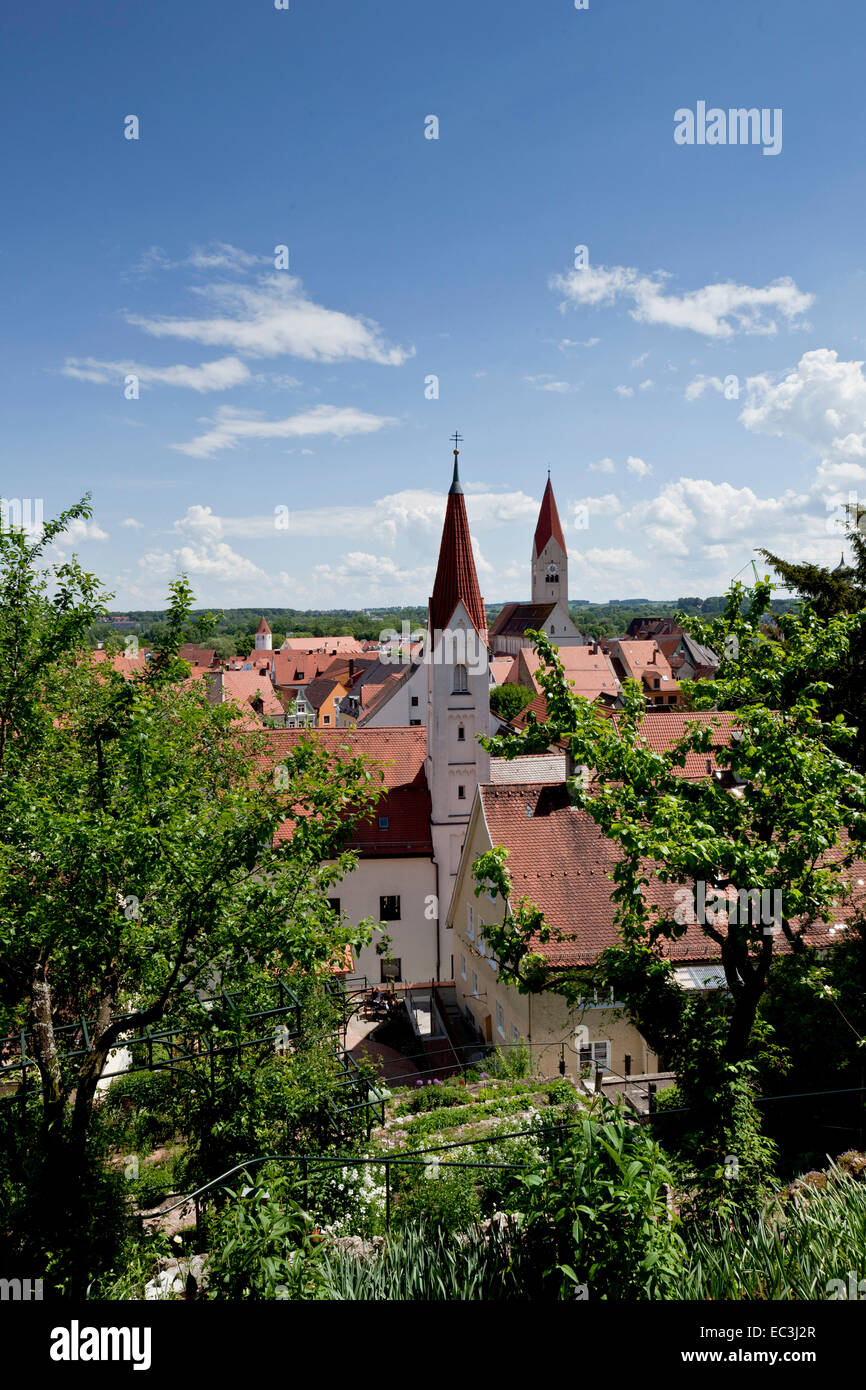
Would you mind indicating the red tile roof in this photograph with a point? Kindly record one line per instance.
(406, 803)
(456, 579)
(560, 860)
(587, 669)
(332, 646)
(548, 522)
(263, 626)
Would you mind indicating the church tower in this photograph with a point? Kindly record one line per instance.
(458, 702)
(549, 554)
(264, 639)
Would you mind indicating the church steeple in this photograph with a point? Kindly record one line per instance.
(458, 702)
(549, 553)
(456, 579)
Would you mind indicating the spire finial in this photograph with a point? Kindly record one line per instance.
(548, 473)
(455, 482)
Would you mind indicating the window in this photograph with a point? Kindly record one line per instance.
(500, 1019)
(461, 792)
(334, 905)
(413, 722)
(463, 967)
(470, 921)
(383, 822)
(326, 719)
(391, 969)
(475, 983)
(595, 1054)
(552, 576)
(656, 683)
(461, 681)
(515, 1033)
(389, 909)
(461, 734)
(414, 701)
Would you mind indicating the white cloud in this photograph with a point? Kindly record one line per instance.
(131, 522)
(699, 384)
(646, 385)
(689, 515)
(624, 391)
(608, 558)
(608, 505)
(233, 426)
(81, 530)
(822, 404)
(275, 317)
(221, 255)
(548, 382)
(603, 466)
(565, 343)
(639, 361)
(717, 311)
(218, 375)
(638, 467)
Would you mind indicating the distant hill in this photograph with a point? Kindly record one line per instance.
(594, 619)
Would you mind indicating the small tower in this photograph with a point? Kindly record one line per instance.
(263, 637)
(549, 554)
(458, 704)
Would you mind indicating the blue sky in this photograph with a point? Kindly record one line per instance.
(264, 388)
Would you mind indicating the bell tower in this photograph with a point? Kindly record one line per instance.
(549, 554)
(458, 700)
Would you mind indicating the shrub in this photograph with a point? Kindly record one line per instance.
(261, 1244)
(444, 1198)
(597, 1212)
(434, 1097)
(560, 1092)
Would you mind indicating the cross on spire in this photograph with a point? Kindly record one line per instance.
(457, 439)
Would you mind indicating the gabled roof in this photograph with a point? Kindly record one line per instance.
(247, 686)
(587, 669)
(548, 522)
(515, 618)
(317, 692)
(561, 861)
(295, 668)
(376, 686)
(406, 803)
(456, 580)
(332, 646)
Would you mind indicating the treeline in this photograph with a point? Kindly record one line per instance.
(232, 631)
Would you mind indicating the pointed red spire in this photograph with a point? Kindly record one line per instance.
(263, 626)
(548, 521)
(456, 579)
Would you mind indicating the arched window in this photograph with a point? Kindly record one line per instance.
(461, 681)
(552, 576)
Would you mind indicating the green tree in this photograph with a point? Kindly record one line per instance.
(138, 863)
(508, 700)
(786, 818)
